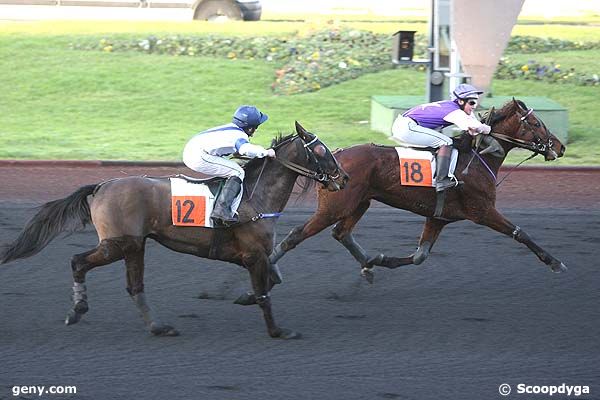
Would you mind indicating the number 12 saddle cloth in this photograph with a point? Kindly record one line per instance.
(192, 202)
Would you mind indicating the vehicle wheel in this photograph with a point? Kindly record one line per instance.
(251, 10)
(210, 10)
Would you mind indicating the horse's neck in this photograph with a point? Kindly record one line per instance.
(492, 162)
(270, 190)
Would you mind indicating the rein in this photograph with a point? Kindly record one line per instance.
(303, 170)
(536, 147)
(299, 169)
(258, 179)
(515, 167)
(523, 144)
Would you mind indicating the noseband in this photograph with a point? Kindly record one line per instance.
(317, 175)
(537, 145)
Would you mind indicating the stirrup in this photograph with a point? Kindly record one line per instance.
(447, 183)
(222, 223)
(221, 220)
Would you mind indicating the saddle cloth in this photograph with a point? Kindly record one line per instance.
(191, 203)
(417, 167)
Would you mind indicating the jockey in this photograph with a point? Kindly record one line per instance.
(421, 125)
(206, 150)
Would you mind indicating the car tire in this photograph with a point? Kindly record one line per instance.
(208, 10)
(251, 11)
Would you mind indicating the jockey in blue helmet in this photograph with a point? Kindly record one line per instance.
(205, 153)
(421, 127)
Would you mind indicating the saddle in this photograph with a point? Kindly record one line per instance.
(203, 181)
(193, 199)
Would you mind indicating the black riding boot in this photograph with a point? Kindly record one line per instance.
(222, 214)
(442, 181)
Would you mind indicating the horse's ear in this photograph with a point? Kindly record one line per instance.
(516, 103)
(301, 131)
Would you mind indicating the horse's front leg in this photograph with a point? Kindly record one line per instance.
(319, 221)
(259, 270)
(498, 222)
(314, 225)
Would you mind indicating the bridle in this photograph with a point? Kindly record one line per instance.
(316, 174)
(537, 145)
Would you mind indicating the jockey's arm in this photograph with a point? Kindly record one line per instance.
(252, 150)
(467, 122)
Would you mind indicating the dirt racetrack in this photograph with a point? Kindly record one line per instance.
(480, 312)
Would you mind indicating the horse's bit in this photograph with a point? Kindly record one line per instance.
(317, 175)
(537, 146)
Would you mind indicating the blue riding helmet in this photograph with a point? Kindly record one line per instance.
(248, 116)
(465, 91)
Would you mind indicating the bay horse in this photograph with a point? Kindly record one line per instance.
(127, 211)
(375, 175)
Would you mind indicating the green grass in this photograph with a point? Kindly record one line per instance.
(59, 103)
(584, 128)
(581, 61)
(586, 33)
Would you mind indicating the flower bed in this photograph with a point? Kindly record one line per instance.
(323, 58)
(534, 70)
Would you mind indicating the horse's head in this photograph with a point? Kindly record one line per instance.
(518, 125)
(311, 158)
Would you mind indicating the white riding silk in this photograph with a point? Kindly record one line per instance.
(204, 153)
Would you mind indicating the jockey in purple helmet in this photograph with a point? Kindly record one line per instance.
(421, 125)
(205, 153)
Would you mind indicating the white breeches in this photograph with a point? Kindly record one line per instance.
(411, 133)
(216, 166)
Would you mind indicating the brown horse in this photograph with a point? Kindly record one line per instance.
(125, 212)
(374, 172)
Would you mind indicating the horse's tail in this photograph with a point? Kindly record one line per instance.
(69, 214)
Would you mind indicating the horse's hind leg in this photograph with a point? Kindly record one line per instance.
(431, 231)
(498, 222)
(134, 263)
(429, 235)
(105, 253)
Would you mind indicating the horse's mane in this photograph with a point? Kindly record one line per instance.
(507, 109)
(254, 166)
(276, 142)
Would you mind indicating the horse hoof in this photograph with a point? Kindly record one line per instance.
(81, 307)
(247, 299)
(163, 330)
(368, 274)
(377, 260)
(73, 317)
(287, 334)
(557, 268)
